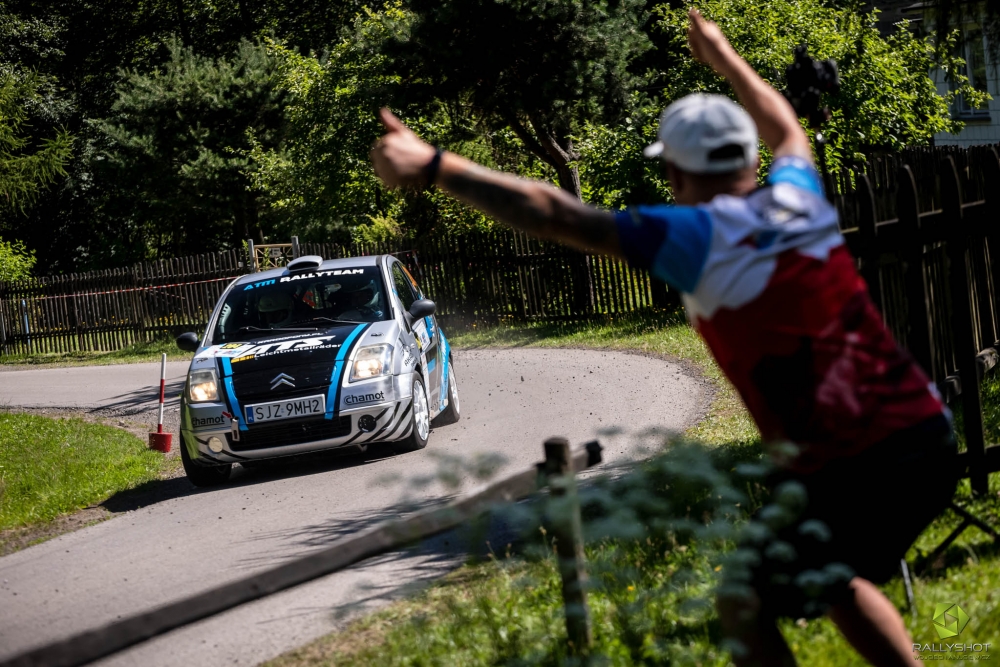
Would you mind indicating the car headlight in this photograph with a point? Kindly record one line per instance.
(372, 361)
(203, 386)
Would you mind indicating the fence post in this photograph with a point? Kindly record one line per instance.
(567, 528)
(867, 231)
(295, 247)
(3, 329)
(965, 341)
(991, 187)
(252, 256)
(908, 212)
(663, 296)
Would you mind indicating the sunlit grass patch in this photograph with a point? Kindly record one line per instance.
(50, 467)
(660, 332)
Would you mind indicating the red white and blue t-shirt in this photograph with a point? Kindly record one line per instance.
(769, 284)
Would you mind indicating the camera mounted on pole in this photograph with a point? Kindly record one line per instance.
(807, 79)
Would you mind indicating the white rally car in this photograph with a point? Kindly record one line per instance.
(317, 355)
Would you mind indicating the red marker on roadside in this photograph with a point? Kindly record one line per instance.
(160, 441)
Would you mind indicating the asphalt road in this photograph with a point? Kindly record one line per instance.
(195, 539)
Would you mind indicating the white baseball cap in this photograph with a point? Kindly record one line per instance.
(706, 134)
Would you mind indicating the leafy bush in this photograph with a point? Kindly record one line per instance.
(16, 261)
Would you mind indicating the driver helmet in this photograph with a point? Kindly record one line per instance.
(275, 308)
(364, 296)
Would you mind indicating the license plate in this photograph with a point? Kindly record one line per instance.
(296, 407)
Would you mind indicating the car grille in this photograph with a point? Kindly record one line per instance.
(290, 433)
(255, 386)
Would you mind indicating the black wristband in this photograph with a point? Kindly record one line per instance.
(431, 170)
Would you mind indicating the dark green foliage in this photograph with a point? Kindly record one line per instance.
(27, 164)
(175, 147)
(563, 91)
(541, 69)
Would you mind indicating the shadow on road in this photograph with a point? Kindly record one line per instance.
(140, 401)
(160, 490)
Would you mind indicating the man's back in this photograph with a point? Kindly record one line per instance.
(773, 290)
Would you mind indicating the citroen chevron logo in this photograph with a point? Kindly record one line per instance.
(949, 620)
(282, 379)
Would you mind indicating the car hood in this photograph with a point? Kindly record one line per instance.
(269, 352)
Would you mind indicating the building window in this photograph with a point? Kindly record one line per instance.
(973, 51)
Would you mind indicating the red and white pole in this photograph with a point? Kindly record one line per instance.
(163, 390)
(160, 441)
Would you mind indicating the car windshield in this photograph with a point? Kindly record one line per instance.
(302, 302)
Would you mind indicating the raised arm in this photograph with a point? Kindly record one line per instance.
(401, 159)
(776, 120)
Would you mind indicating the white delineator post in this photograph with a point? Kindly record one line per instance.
(160, 441)
(163, 391)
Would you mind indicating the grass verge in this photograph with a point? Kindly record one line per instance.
(133, 354)
(49, 467)
(508, 610)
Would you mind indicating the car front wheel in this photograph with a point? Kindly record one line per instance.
(420, 419)
(452, 413)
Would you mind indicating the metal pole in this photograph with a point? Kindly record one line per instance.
(909, 586)
(27, 329)
(827, 183)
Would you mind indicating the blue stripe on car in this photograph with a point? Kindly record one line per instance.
(227, 381)
(445, 354)
(338, 371)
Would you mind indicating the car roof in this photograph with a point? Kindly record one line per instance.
(342, 263)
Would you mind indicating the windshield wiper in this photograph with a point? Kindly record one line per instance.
(288, 328)
(332, 320)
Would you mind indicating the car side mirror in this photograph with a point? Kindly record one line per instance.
(188, 341)
(422, 308)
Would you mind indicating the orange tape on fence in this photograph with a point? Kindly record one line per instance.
(132, 289)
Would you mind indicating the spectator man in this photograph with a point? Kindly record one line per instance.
(769, 284)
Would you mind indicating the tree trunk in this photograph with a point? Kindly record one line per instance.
(246, 16)
(182, 21)
(559, 147)
(554, 150)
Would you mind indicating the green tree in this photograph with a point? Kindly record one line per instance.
(540, 69)
(177, 144)
(26, 166)
(887, 99)
(320, 180)
(82, 50)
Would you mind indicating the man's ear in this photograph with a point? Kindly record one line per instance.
(675, 178)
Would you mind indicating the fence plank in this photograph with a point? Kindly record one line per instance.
(951, 202)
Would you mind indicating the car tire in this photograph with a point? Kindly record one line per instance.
(420, 419)
(204, 476)
(452, 413)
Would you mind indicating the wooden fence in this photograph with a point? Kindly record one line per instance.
(506, 275)
(109, 310)
(925, 227)
(487, 276)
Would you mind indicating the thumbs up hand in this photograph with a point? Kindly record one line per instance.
(400, 157)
